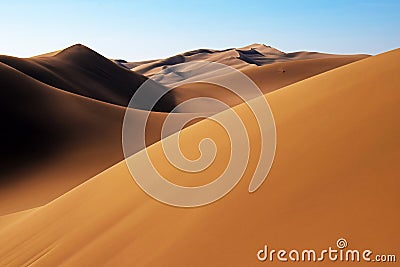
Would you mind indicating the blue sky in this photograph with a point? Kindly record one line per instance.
(138, 30)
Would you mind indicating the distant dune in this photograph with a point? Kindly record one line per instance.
(337, 157)
(251, 55)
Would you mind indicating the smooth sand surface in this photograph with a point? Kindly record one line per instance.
(334, 175)
(11, 218)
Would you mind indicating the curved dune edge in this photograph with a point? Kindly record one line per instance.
(334, 176)
(57, 141)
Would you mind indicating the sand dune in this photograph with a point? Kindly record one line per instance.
(80, 70)
(251, 55)
(61, 116)
(268, 78)
(48, 136)
(54, 140)
(334, 176)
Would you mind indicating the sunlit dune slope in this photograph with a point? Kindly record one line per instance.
(268, 78)
(335, 175)
(80, 70)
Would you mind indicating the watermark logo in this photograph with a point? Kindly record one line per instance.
(339, 254)
(341, 243)
(145, 172)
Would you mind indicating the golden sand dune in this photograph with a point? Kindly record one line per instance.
(268, 78)
(335, 175)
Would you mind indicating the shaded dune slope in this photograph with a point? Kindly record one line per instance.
(80, 70)
(44, 125)
(337, 172)
(53, 140)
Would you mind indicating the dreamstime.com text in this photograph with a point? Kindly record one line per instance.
(338, 254)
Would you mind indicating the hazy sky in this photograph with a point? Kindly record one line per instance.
(137, 30)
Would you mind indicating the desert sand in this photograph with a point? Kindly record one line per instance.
(65, 112)
(334, 175)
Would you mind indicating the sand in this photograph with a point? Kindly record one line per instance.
(268, 78)
(80, 70)
(334, 176)
(65, 112)
(57, 138)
